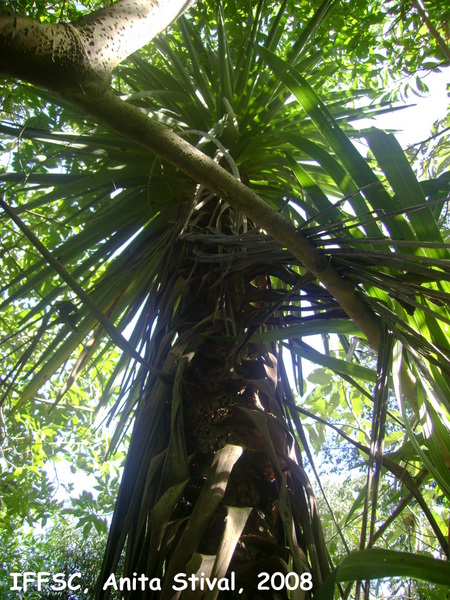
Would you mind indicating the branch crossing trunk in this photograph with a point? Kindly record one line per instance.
(213, 456)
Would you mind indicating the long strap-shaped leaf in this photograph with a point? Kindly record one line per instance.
(115, 335)
(407, 189)
(210, 497)
(357, 169)
(376, 563)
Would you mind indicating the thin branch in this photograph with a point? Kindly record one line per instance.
(431, 28)
(400, 472)
(432, 137)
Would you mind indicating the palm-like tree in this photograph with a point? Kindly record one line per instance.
(214, 479)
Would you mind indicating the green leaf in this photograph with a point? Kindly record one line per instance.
(334, 364)
(377, 563)
(408, 192)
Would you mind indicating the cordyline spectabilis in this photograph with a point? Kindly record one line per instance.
(76, 61)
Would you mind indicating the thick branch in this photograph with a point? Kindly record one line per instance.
(136, 126)
(81, 56)
(46, 54)
(115, 32)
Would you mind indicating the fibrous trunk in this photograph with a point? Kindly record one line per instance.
(214, 484)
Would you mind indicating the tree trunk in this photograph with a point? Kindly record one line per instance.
(212, 482)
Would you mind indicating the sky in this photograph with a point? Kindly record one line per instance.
(413, 124)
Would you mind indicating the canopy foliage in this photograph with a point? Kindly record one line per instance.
(269, 92)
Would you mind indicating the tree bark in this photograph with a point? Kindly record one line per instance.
(225, 398)
(69, 57)
(134, 23)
